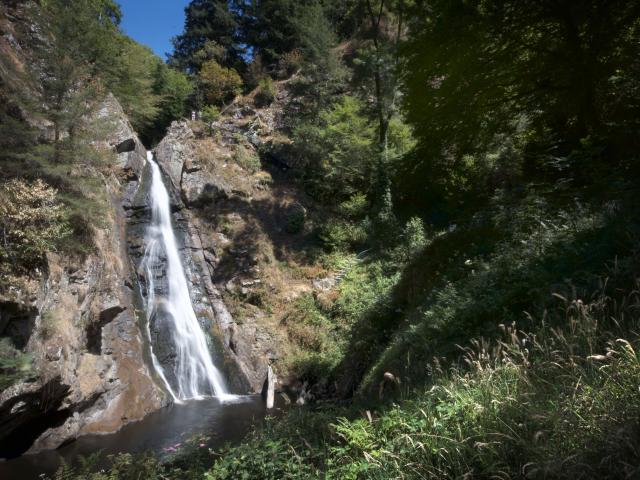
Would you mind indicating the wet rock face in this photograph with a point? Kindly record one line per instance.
(79, 324)
(208, 307)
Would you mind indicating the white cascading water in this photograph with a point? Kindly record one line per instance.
(195, 374)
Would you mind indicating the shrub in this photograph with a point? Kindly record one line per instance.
(14, 365)
(296, 218)
(210, 113)
(32, 222)
(314, 332)
(247, 159)
(290, 62)
(355, 207)
(218, 84)
(365, 291)
(339, 235)
(337, 153)
(266, 92)
(307, 325)
(414, 239)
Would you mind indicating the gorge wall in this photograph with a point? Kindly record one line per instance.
(244, 368)
(83, 327)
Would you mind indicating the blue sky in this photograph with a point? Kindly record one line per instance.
(153, 22)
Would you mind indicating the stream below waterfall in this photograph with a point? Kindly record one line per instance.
(158, 433)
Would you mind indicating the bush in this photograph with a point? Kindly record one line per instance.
(414, 239)
(307, 325)
(356, 207)
(296, 218)
(266, 92)
(14, 365)
(340, 235)
(210, 113)
(290, 62)
(311, 329)
(337, 153)
(217, 83)
(247, 159)
(32, 222)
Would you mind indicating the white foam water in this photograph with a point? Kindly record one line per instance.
(195, 374)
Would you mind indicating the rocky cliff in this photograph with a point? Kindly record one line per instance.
(233, 203)
(190, 184)
(81, 324)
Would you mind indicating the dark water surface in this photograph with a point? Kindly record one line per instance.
(158, 432)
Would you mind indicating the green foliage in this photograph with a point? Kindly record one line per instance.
(82, 55)
(307, 324)
(218, 84)
(554, 404)
(211, 50)
(341, 235)
(315, 37)
(455, 288)
(563, 41)
(32, 221)
(210, 113)
(270, 29)
(247, 159)
(385, 223)
(255, 72)
(174, 90)
(266, 93)
(365, 292)
(355, 207)
(134, 83)
(296, 218)
(76, 44)
(14, 365)
(414, 240)
(290, 62)
(206, 21)
(337, 152)
(309, 327)
(272, 461)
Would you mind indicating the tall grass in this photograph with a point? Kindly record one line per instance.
(559, 402)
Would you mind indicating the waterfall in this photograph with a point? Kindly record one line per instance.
(192, 372)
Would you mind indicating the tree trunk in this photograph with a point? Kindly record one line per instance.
(56, 143)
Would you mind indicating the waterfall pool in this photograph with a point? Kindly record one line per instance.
(159, 433)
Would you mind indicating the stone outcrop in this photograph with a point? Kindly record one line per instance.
(244, 356)
(192, 183)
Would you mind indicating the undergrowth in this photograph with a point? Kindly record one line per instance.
(559, 401)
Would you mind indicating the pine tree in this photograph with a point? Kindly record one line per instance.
(207, 21)
(74, 47)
